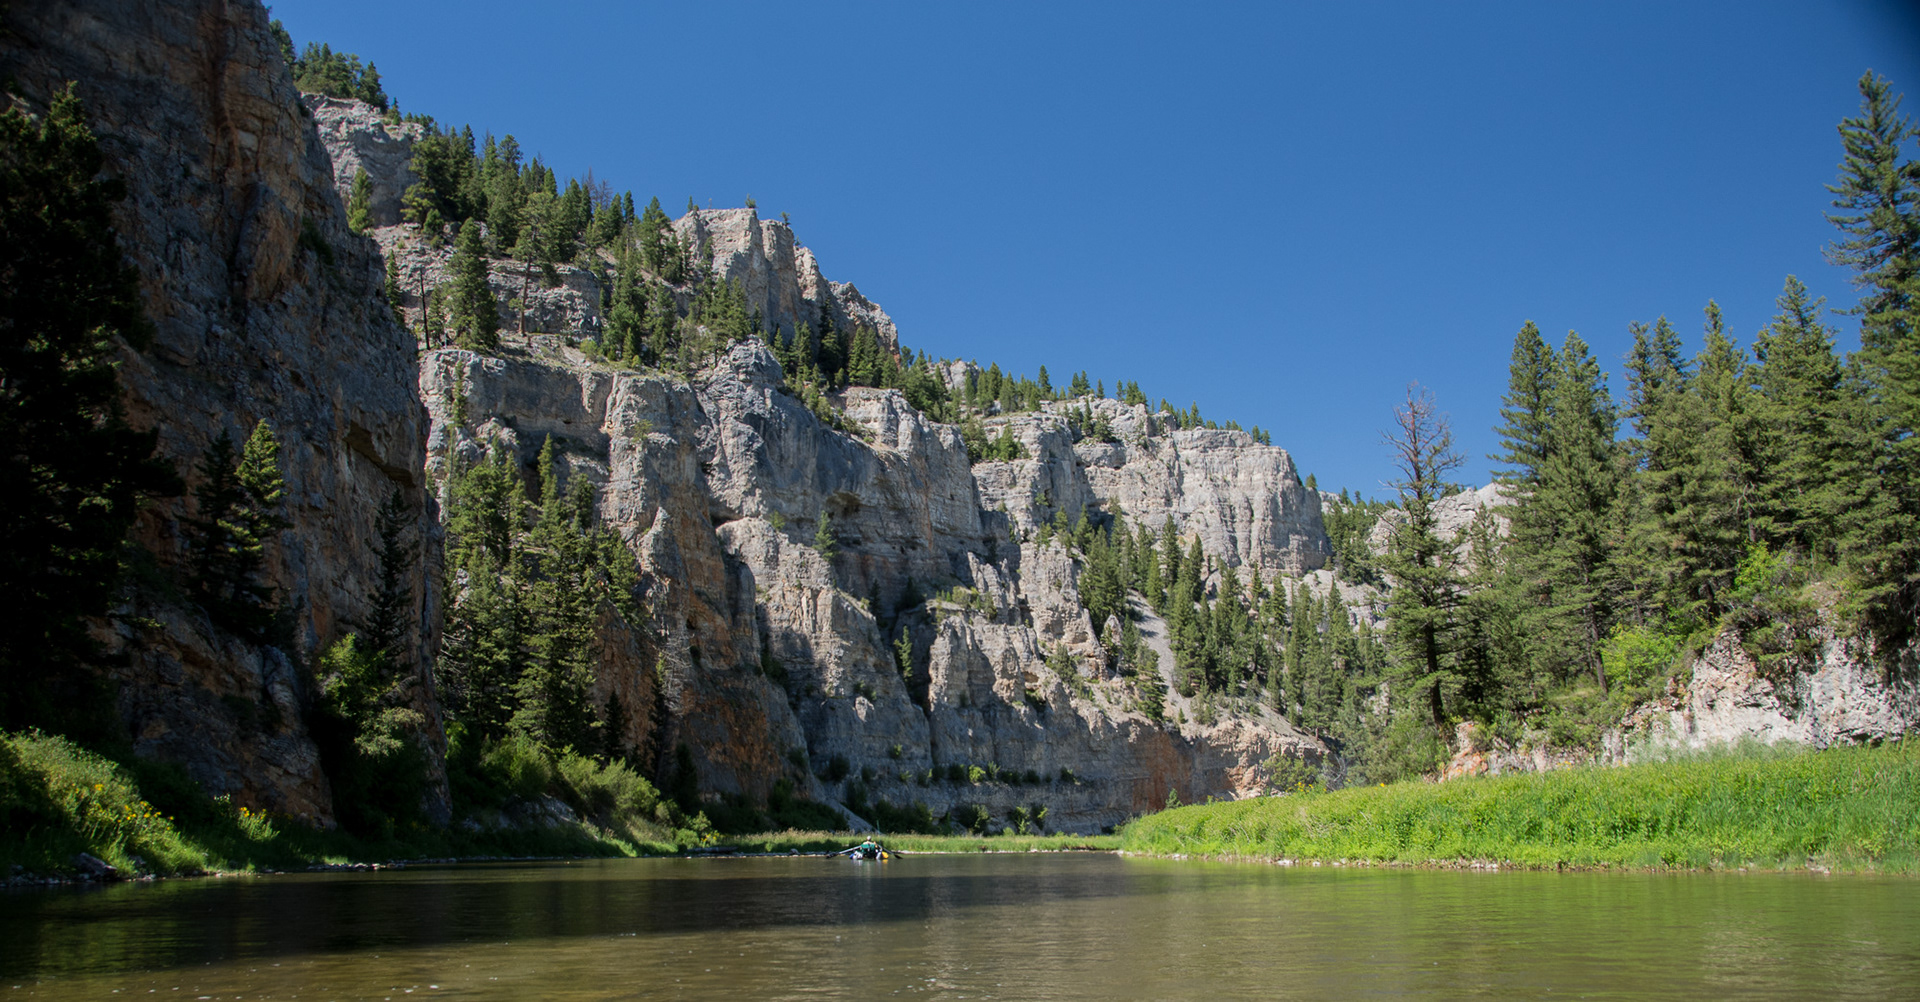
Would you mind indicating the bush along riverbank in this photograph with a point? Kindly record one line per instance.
(1851, 809)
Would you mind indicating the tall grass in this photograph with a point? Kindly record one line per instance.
(1845, 808)
(58, 800)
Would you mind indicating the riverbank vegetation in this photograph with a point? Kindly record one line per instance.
(1855, 808)
(58, 800)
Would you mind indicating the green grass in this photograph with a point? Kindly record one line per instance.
(1844, 808)
(829, 841)
(58, 800)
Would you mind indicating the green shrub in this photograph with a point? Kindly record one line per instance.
(1635, 656)
(612, 792)
(518, 767)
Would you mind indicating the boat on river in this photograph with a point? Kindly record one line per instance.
(868, 850)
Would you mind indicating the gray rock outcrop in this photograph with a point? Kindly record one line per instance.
(358, 137)
(1242, 499)
(779, 277)
(1840, 697)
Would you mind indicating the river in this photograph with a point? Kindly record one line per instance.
(1001, 926)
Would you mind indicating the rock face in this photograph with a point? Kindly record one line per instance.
(781, 659)
(1244, 500)
(357, 137)
(265, 307)
(935, 637)
(1840, 698)
(780, 277)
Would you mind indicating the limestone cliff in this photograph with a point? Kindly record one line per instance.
(778, 276)
(1244, 500)
(780, 659)
(265, 307)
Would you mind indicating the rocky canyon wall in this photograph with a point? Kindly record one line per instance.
(265, 307)
(780, 658)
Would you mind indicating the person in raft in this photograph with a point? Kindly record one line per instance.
(868, 849)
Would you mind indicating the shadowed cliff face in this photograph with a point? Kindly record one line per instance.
(773, 648)
(265, 307)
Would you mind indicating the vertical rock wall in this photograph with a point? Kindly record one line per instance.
(265, 307)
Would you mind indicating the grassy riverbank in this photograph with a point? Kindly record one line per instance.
(58, 800)
(1843, 808)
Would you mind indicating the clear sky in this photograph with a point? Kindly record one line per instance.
(1282, 211)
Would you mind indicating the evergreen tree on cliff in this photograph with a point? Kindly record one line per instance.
(476, 320)
(73, 474)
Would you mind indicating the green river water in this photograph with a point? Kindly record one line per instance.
(1002, 926)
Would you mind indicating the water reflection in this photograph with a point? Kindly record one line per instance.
(1011, 926)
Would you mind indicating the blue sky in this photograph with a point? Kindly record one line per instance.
(1285, 212)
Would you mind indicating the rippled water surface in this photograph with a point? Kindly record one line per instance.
(1016, 926)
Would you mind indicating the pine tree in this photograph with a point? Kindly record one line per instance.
(433, 322)
(238, 513)
(824, 542)
(1878, 194)
(1524, 410)
(626, 315)
(392, 601)
(553, 695)
(1658, 460)
(470, 306)
(1426, 587)
(485, 636)
(1715, 521)
(1570, 512)
(360, 202)
(505, 194)
(73, 474)
(656, 238)
(662, 321)
(1801, 416)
